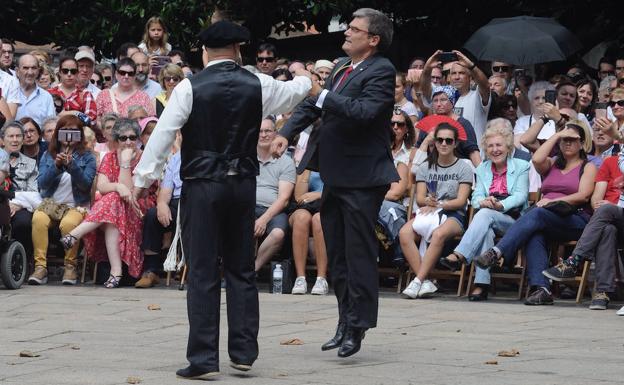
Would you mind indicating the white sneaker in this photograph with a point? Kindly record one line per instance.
(411, 291)
(426, 289)
(300, 286)
(320, 287)
(621, 311)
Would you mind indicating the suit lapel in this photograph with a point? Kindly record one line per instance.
(358, 70)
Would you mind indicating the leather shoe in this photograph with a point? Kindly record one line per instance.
(336, 340)
(352, 342)
(481, 296)
(191, 373)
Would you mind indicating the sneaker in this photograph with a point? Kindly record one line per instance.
(148, 279)
(320, 287)
(300, 286)
(488, 259)
(70, 276)
(411, 291)
(560, 272)
(541, 296)
(621, 311)
(600, 301)
(39, 276)
(241, 367)
(426, 289)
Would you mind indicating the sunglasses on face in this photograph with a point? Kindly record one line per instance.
(171, 79)
(511, 107)
(265, 59)
(123, 138)
(66, 71)
(124, 73)
(569, 140)
(398, 124)
(98, 82)
(108, 78)
(447, 141)
(500, 68)
(620, 103)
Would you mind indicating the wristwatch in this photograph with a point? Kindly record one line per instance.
(545, 119)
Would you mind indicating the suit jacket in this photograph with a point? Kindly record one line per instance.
(351, 146)
(517, 184)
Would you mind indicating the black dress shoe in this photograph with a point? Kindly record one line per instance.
(482, 296)
(191, 373)
(352, 342)
(336, 340)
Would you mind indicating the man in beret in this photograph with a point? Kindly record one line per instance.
(219, 112)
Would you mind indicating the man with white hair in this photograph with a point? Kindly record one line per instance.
(323, 68)
(35, 102)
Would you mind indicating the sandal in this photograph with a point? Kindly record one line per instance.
(68, 241)
(452, 265)
(112, 282)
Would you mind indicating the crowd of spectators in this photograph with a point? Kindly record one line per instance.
(73, 131)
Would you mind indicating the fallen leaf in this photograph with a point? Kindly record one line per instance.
(292, 341)
(491, 362)
(28, 353)
(509, 353)
(153, 306)
(133, 380)
(403, 334)
(458, 330)
(75, 347)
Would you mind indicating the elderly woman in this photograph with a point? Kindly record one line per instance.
(48, 126)
(537, 98)
(561, 214)
(46, 78)
(400, 101)
(66, 174)
(23, 173)
(113, 228)
(443, 185)
(126, 94)
(169, 77)
(615, 127)
(323, 68)
(107, 121)
(501, 192)
(74, 98)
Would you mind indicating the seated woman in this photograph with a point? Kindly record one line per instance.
(114, 213)
(107, 121)
(66, 173)
(306, 220)
(443, 185)
(500, 193)
(561, 214)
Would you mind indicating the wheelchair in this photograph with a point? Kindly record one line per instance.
(13, 259)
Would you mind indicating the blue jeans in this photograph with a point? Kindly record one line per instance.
(479, 237)
(532, 231)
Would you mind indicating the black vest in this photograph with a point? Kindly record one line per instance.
(222, 131)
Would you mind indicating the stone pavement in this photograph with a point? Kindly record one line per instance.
(91, 335)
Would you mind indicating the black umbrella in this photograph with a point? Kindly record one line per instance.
(523, 40)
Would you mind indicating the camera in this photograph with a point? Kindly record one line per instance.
(447, 57)
(71, 136)
(550, 96)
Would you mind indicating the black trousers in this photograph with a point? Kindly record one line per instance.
(217, 219)
(348, 217)
(21, 230)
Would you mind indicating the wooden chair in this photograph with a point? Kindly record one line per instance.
(580, 280)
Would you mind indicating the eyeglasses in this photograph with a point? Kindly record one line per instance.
(511, 107)
(269, 59)
(126, 73)
(358, 30)
(98, 82)
(398, 124)
(447, 141)
(171, 79)
(500, 69)
(6, 52)
(620, 103)
(619, 68)
(267, 132)
(607, 73)
(123, 138)
(66, 71)
(108, 78)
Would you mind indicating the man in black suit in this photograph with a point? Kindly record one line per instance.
(351, 149)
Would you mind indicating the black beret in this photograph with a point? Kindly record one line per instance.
(223, 33)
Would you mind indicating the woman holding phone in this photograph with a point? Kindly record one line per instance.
(66, 173)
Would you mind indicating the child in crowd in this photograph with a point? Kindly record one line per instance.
(155, 38)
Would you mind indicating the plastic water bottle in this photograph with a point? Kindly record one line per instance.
(278, 275)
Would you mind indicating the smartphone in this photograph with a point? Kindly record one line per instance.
(447, 57)
(71, 136)
(601, 110)
(162, 61)
(551, 96)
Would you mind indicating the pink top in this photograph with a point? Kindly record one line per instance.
(557, 184)
(499, 182)
(105, 105)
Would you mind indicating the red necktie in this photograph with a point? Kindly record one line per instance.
(344, 77)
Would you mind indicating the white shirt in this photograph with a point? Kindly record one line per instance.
(10, 88)
(475, 112)
(277, 97)
(93, 90)
(63, 193)
(323, 94)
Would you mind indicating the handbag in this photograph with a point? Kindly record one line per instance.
(561, 208)
(56, 211)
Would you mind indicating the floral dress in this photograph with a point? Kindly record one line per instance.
(110, 208)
